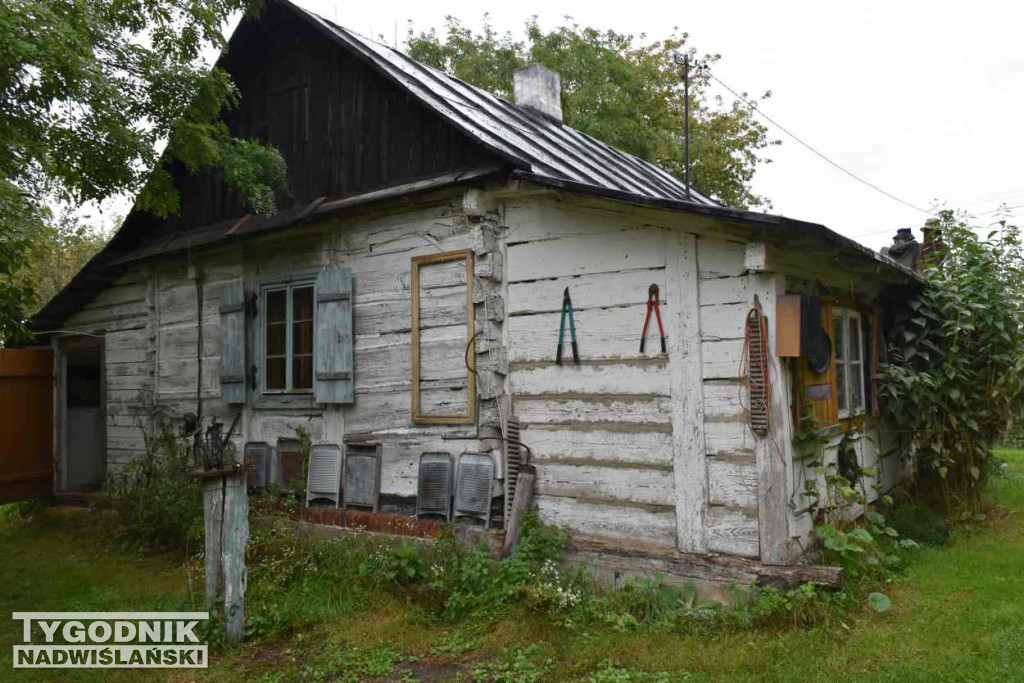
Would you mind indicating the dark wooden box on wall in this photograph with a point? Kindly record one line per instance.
(798, 326)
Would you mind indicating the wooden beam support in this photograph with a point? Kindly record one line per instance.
(773, 451)
(727, 569)
(756, 257)
(687, 390)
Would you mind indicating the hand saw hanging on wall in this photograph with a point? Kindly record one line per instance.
(567, 310)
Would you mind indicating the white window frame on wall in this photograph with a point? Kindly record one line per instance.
(853, 370)
(262, 398)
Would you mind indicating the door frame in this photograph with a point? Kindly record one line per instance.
(61, 345)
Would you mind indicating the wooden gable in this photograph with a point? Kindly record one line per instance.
(342, 127)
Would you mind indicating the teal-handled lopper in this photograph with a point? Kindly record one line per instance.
(567, 309)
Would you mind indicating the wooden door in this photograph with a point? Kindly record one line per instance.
(26, 424)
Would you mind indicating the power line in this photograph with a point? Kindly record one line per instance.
(975, 227)
(753, 105)
(889, 230)
(1000, 208)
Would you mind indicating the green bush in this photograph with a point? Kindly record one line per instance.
(296, 579)
(955, 372)
(921, 524)
(153, 502)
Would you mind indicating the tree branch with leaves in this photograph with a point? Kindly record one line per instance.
(88, 93)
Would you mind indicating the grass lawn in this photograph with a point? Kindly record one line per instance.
(958, 615)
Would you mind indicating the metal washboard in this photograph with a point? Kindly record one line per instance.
(434, 493)
(257, 463)
(324, 478)
(474, 483)
(513, 452)
(362, 475)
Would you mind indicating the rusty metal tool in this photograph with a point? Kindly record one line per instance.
(567, 310)
(653, 304)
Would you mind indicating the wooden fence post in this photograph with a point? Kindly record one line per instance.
(233, 542)
(226, 523)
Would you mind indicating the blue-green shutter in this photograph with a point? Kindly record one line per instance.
(334, 351)
(232, 351)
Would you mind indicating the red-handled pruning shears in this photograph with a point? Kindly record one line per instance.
(567, 310)
(653, 305)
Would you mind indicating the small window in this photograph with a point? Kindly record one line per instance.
(848, 343)
(288, 339)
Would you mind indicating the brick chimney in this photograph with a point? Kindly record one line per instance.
(931, 250)
(540, 89)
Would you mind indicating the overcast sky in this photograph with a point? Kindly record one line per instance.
(923, 99)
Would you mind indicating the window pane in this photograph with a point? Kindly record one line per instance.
(856, 388)
(275, 374)
(277, 306)
(276, 339)
(302, 337)
(302, 303)
(855, 339)
(302, 373)
(839, 338)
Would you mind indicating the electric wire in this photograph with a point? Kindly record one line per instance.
(823, 156)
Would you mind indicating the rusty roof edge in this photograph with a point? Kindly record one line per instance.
(317, 208)
(99, 268)
(767, 219)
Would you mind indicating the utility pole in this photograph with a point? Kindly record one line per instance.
(686, 120)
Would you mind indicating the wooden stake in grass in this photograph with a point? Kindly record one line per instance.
(226, 524)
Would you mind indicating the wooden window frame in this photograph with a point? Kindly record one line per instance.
(417, 262)
(846, 315)
(256, 335)
(289, 346)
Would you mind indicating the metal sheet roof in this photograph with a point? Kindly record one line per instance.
(529, 140)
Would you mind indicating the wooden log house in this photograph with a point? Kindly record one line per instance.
(408, 295)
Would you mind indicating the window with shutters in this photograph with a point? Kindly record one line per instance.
(287, 340)
(848, 350)
(287, 327)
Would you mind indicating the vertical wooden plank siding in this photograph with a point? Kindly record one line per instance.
(687, 390)
(26, 427)
(770, 451)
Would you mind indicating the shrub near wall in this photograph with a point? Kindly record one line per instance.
(154, 503)
(953, 380)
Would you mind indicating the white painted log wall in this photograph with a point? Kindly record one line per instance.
(600, 431)
(379, 252)
(122, 314)
(614, 410)
(726, 296)
(150, 318)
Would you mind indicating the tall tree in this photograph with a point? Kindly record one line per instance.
(58, 252)
(624, 90)
(89, 91)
